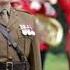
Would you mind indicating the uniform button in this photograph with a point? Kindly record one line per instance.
(8, 29)
(9, 43)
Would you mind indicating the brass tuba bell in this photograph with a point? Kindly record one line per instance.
(49, 30)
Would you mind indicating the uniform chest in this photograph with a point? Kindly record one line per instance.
(24, 40)
(21, 33)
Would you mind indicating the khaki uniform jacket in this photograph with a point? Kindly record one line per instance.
(28, 44)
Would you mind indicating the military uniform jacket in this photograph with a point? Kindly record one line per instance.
(28, 44)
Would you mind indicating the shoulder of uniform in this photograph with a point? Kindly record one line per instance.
(23, 13)
(23, 16)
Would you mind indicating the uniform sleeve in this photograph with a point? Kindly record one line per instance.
(36, 49)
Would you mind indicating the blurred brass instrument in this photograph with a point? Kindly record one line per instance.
(49, 30)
